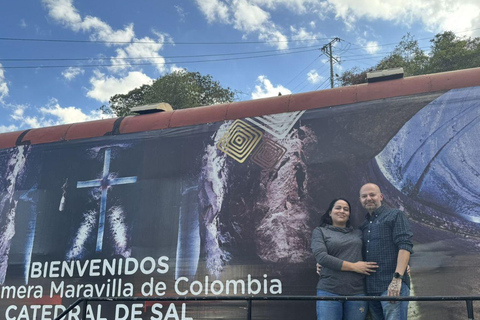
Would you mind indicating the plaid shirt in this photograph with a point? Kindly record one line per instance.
(384, 234)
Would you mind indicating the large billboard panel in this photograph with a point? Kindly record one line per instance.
(228, 208)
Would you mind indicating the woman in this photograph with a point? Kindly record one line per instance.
(338, 248)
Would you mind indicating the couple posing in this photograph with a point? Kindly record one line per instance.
(371, 260)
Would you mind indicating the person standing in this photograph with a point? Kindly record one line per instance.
(387, 240)
(338, 247)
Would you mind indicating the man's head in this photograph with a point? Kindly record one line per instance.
(371, 197)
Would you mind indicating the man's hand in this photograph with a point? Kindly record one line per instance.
(364, 267)
(394, 288)
(319, 268)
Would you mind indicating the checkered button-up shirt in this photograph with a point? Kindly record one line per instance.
(385, 232)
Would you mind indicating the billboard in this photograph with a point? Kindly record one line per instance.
(227, 208)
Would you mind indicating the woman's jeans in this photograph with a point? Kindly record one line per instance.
(340, 310)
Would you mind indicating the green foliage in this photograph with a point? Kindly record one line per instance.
(181, 89)
(353, 76)
(452, 53)
(448, 52)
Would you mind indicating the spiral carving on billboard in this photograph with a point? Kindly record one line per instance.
(240, 140)
(268, 153)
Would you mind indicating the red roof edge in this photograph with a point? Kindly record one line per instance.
(287, 103)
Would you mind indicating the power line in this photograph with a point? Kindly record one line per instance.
(327, 79)
(148, 64)
(306, 78)
(303, 70)
(186, 43)
(145, 58)
(157, 42)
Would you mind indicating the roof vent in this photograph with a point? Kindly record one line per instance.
(383, 75)
(152, 108)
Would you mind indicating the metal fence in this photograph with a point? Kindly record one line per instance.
(249, 301)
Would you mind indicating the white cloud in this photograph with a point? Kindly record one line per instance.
(249, 17)
(175, 68)
(214, 10)
(36, 122)
(246, 17)
(71, 72)
(180, 12)
(436, 16)
(141, 52)
(63, 11)
(49, 115)
(23, 24)
(27, 121)
(276, 38)
(313, 77)
(297, 6)
(304, 35)
(265, 88)
(69, 114)
(104, 87)
(3, 85)
(372, 47)
(255, 16)
(9, 128)
(18, 112)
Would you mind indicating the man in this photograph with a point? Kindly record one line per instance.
(387, 241)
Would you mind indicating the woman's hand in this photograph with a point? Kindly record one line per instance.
(364, 267)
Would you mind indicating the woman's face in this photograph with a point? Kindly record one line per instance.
(340, 214)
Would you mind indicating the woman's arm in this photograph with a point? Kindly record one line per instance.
(323, 259)
(319, 249)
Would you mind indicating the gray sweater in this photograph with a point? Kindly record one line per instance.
(331, 246)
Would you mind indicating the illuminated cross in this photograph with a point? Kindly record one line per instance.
(105, 182)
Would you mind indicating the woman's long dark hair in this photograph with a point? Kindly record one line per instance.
(326, 219)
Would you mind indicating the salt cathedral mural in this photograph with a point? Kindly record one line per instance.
(228, 208)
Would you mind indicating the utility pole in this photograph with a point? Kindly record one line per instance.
(327, 49)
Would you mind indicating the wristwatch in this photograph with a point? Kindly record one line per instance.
(397, 275)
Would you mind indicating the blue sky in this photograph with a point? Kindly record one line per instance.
(74, 55)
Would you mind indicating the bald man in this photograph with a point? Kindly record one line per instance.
(386, 240)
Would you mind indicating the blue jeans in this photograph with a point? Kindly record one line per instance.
(385, 310)
(340, 310)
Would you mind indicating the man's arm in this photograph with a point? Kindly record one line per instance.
(402, 235)
(402, 262)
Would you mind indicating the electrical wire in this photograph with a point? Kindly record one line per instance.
(323, 83)
(304, 80)
(149, 64)
(145, 58)
(157, 42)
(303, 70)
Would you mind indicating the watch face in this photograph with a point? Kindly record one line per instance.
(397, 275)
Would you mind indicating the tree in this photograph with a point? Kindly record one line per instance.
(353, 76)
(452, 53)
(181, 89)
(448, 52)
(407, 54)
